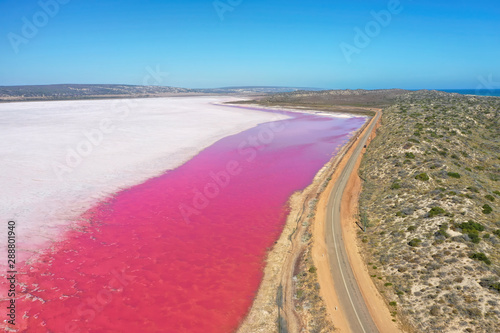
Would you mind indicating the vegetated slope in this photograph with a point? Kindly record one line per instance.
(359, 97)
(89, 91)
(83, 91)
(431, 198)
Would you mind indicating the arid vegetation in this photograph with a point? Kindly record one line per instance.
(431, 195)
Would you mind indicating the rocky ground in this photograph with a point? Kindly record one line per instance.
(430, 201)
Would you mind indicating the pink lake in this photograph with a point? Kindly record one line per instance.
(185, 251)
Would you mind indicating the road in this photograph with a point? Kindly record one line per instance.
(351, 300)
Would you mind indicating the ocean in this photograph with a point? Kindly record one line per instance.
(480, 92)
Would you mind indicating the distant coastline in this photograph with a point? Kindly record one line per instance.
(479, 92)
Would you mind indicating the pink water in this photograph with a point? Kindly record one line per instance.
(183, 252)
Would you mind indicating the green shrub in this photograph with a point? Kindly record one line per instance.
(393, 303)
(413, 228)
(481, 257)
(454, 175)
(422, 176)
(497, 192)
(410, 155)
(312, 269)
(435, 211)
(489, 197)
(474, 237)
(497, 232)
(487, 209)
(470, 226)
(388, 284)
(442, 232)
(396, 185)
(491, 283)
(414, 140)
(415, 242)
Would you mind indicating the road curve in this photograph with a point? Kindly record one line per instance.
(351, 300)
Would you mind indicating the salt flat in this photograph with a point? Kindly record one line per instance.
(58, 159)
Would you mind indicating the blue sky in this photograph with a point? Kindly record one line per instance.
(424, 43)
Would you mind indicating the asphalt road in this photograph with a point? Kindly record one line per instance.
(346, 286)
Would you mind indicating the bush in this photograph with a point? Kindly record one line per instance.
(413, 228)
(442, 233)
(422, 176)
(415, 242)
(393, 303)
(388, 284)
(487, 209)
(395, 186)
(481, 257)
(454, 175)
(473, 189)
(497, 232)
(489, 197)
(497, 192)
(410, 155)
(312, 269)
(474, 238)
(470, 226)
(490, 283)
(436, 211)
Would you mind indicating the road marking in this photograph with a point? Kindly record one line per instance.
(348, 164)
(343, 278)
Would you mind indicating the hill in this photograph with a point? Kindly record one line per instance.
(94, 91)
(431, 199)
(353, 101)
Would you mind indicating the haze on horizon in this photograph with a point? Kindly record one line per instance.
(205, 44)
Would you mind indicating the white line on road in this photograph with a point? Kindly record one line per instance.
(343, 278)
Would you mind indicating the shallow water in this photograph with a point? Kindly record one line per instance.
(183, 252)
